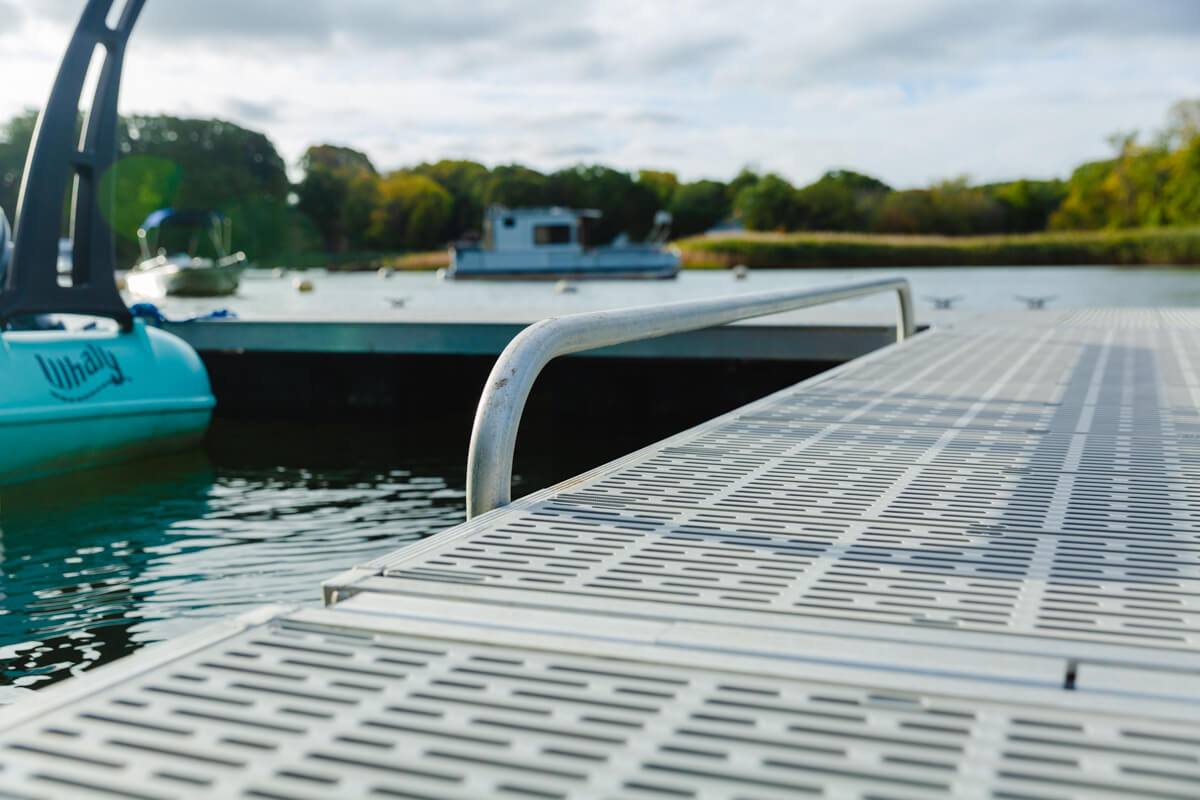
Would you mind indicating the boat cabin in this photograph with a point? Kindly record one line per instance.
(555, 243)
(528, 228)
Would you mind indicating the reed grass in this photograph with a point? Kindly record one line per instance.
(358, 261)
(813, 249)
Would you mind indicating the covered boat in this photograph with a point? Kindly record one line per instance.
(98, 393)
(552, 243)
(203, 266)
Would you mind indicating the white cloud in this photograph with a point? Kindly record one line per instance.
(910, 93)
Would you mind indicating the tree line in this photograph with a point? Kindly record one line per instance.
(1155, 184)
(343, 203)
(1144, 185)
(430, 204)
(165, 162)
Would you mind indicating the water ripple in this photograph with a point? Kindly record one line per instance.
(99, 563)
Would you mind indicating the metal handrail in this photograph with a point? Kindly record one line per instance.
(494, 436)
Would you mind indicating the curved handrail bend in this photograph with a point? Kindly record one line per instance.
(494, 436)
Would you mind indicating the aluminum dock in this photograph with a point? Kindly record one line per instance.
(966, 565)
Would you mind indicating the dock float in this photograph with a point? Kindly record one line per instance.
(817, 334)
(966, 565)
(349, 363)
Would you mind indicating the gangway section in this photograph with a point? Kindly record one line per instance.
(1028, 485)
(965, 566)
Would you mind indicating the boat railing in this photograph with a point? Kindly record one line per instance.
(494, 436)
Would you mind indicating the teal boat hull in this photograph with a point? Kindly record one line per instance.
(73, 400)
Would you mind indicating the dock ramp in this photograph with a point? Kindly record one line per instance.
(966, 566)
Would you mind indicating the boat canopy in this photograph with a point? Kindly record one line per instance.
(183, 216)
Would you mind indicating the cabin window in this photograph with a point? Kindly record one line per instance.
(510, 221)
(551, 234)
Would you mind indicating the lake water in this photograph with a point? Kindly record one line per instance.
(100, 563)
(980, 289)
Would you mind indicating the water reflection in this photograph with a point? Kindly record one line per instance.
(98, 563)
(74, 550)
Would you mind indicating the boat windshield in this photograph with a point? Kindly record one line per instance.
(551, 234)
(199, 238)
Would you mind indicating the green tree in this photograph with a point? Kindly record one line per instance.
(841, 200)
(166, 161)
(323, 193)
(698, 206)
(332, 157)
(411, 213)
(15, 136)
(200, 163)
(513, 186)
(909, 211)
(1181, 192)
(218, 159)
(960, 209)
(362, 196)
(1120, 187)
(467, 183)
(1183, 125)
(1080, 208)
(141, 184)
(1129, 190)
(1027, 205)
(265, 226)
(663, 184)
(744, 179)
(626, 206)
(770, 203)
(856, 182)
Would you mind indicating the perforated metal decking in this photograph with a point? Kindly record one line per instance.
(966, 566)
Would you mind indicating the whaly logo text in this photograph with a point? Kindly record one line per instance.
(84, 376)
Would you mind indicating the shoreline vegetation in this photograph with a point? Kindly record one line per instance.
(817, 250)
(1135, 247)
(1140, 206)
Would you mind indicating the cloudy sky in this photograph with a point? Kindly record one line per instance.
(910, 91)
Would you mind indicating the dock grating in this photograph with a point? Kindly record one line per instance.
(965, 566)
(297, 708)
